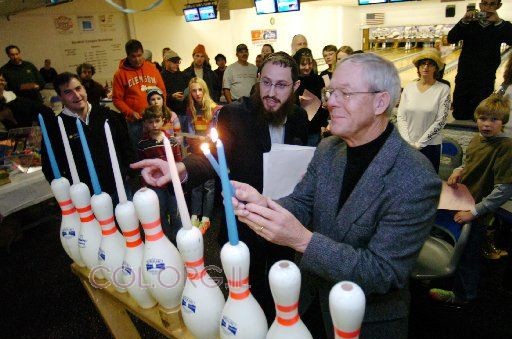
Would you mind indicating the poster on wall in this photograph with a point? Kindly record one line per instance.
(106, 23)
(64, 24)
(104, 54)
(263, 36)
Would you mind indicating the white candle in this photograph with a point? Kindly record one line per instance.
(176, 183)
(69, 155)
(115, 165)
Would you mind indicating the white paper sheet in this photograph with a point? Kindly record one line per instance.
(456, 199)
(283, 167)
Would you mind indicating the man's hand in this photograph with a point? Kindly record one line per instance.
(28, 86)
(177, 96)
(244, 194)
(277, 225)
(463, 217)
(454, 178)
(155, 171)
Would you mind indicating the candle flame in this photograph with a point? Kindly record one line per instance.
(205, 148)
(214, 135)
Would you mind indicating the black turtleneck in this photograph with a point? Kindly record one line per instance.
(358, 160)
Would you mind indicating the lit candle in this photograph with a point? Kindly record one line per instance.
(226, 187)
(206, 151)
(88, 158)
(115, 165)
(176, 183)
(67, 149)
(49, 149)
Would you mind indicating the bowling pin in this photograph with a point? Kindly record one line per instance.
(284, 278)
(70, 224)
(242, 316)
(347, 304)
(89, 237)
(112, 250)
(202, 301)
(132, 263)
(162, 268)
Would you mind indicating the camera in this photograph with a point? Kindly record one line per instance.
(480, 16)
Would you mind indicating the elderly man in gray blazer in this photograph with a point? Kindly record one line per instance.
(364, 208)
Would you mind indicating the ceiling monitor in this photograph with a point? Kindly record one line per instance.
(265, 6)
(191, 14)
(284, 6)
(371, 2)
(207, 12)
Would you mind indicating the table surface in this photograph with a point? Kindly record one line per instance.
(24, 190)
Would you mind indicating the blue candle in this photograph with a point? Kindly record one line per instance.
(49, 149)
(226, 187)
(88, 159)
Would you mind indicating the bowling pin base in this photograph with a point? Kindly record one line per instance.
(114, 308)
(171, 318)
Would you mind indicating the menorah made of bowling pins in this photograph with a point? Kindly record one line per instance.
(95, 244)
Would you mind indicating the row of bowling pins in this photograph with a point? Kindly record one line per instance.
(202, 302)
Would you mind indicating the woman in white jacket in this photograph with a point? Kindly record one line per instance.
(424, 107)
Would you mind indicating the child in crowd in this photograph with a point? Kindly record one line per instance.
(202, 113)
(171, 122)
(488, 175)
(151, 146)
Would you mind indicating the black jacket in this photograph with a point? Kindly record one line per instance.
(209, 77)
(97, 142)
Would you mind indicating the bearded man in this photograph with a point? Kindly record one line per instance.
(248, 128)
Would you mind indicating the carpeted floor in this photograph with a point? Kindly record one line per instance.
(41, 298)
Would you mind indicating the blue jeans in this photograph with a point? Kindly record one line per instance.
(202, 198)
(467, 275)
(169, 215)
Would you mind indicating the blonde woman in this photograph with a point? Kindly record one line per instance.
(202, 113)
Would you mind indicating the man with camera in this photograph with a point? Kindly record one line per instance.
(482, 33)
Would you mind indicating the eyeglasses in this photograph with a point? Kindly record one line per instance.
(279, 86)
(489, 4)
(339, 94)
(427, 63)
(174, 61)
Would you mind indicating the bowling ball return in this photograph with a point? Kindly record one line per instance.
(114, 307)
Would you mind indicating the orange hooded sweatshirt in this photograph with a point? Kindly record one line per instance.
(130, 87)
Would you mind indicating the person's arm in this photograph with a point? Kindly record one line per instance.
(160, 84)
(457, 32)
(499, 195)
(38, 77)
(442, 108)
(227, 95)
(401, 122)
(226, 85)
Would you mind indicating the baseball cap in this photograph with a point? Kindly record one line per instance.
(241, 48)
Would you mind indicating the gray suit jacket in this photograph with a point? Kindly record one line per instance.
(375, 238)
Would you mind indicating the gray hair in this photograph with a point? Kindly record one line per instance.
(379, 74)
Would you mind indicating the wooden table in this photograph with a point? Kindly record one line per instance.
(113, 307)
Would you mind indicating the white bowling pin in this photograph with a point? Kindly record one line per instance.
(284, 278)
(202, 301)
(347, 304)
(163, 268)
(132, 263)
(89, 237)
(242, 316)
(112, 249)
(70, 223)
